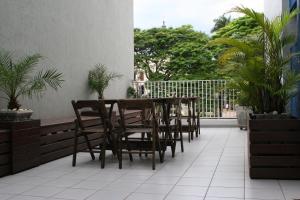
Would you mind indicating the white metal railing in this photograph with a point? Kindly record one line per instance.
(216, 100)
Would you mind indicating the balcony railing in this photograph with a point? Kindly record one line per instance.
(216, 99)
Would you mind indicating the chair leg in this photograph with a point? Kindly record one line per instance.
(103, 149)
(181, 142)
(129, 149)
(198, 126)
(161, 156)
(89, 146)
(120, 153)
(173, 148)
(153, 152)
(75, 149)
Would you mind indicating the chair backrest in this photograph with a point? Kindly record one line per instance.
(145, 106)
(90, 108)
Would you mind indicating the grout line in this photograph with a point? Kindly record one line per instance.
(217, 165)
(210, 140)
(281, 190)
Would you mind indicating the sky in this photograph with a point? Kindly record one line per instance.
(199, 13)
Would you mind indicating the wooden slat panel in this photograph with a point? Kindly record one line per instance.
(4, 159)
(4, 148)
(275, 149)
(276, 125)
(56, 128)
(62, 153)
(48, 139)
(4, 170)
(66, 143)
(4, 136)
(275, 173)
(274, 137)
(275, 161)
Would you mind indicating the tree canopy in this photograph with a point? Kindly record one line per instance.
(174, 53)
(183, 53)
(239, 28)
(220, 22)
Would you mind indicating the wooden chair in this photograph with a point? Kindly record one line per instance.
(170, 125)
(148, 126)
(94, 135)
(188, 126)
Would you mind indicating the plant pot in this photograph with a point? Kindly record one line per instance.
(242, 113)
(15, 115)
(274, 147)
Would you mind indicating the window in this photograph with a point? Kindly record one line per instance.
(293, 4)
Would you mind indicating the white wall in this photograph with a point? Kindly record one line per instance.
(273, 8)
(73, 35)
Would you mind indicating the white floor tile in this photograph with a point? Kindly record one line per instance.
(142, 196)
(93, 185)
(120, 185)
(4, 196)
(190, 181)
(43, 191)
(15, 189)
(154, 189)
(226, 192)
(108, 195)
(163, 180)
(22, 197)
(75, 194)
(183, 197)
(189, 190)
(271, 194)
(228, 183)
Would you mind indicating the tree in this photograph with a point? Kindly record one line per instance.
(243, 28)
(173, 53)
(220, 22)
(239, 28)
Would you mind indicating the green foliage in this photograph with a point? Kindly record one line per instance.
(220, 22)
(99, 78)
(239, 28)
(173, 53)
(243, 28)
(131, 93)
(260, 67)
(16, 79)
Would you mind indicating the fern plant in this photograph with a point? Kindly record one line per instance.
(18, 78)
(262, 77)
(99, 78)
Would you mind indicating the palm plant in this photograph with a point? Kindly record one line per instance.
(262, 75)
(16, 78)
(99, 78)
(220, 22)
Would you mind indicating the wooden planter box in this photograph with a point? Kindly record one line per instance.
(24, 143)
(274, 148)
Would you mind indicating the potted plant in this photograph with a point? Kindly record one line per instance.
(17, 78)
(131, 93)
(266, 85)
(99, 78)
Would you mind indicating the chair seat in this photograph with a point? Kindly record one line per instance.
(139, 130)
(93, 130)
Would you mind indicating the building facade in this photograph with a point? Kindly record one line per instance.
(274, 8)
(73, 36)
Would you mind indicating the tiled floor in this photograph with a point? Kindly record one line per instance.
(213, 167)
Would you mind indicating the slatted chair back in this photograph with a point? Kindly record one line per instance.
(90, 108)
(145, 106)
